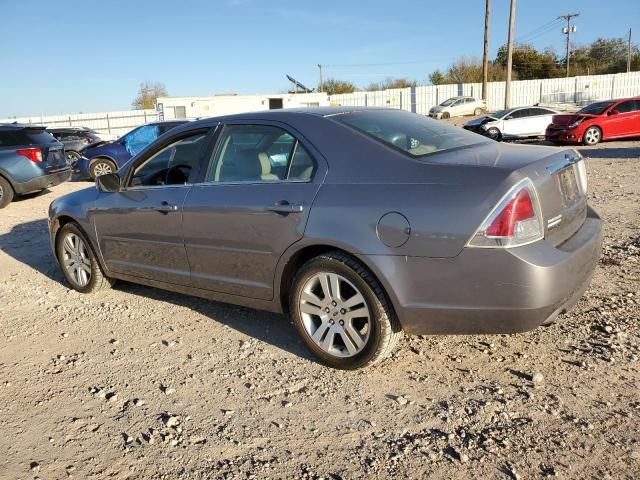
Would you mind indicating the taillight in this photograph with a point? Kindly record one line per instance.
(33, 154)
(515, 221)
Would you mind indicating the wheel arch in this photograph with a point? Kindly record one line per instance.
(303, 254)
(65, 219)
(7, 177)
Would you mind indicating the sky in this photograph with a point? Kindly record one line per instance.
(71, 56)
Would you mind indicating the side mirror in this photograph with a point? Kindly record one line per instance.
(108, 183)
(613, 112)
(508, 117)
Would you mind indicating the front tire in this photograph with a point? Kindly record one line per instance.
(6, 192)
(494, 134)
(342, 312)
(101, 166)
(592, 136)
(78, 261)
(445, 115)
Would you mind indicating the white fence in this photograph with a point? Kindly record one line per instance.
(117, 123)
(552, 91)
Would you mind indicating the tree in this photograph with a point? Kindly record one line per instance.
(529, 63)
(391, 83)
(466, 70)
(335, 87)
(148, 93)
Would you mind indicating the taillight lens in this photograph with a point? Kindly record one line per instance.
(33, 154)
(515, 221)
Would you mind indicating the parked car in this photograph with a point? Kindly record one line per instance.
(513, 123)
(107, 157)
(457, 107)
(380, 221)
(599, 121)
(74, 140)
(30, 160)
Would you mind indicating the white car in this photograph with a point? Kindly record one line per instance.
(513, 123)
(458, 106)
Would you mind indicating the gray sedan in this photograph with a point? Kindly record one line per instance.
(360, 223)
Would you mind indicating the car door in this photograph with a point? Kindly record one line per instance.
(139, 228)
(252, 205)
(622, 120)
(540, 120)
(517, 124)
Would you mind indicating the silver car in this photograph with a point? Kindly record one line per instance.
(361, 224)
(457, 107)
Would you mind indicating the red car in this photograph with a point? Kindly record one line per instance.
(599, 121)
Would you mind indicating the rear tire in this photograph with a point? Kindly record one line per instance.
(78, 261)
(592, 136)
(477, 111)
(348, 329)
(101, 166)
(6, 192)
(72, 157)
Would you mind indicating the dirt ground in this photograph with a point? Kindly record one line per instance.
(143, 384)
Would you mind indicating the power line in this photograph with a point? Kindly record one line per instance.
(388, 64)
(541, 30)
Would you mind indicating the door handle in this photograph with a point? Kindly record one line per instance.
(285, 207)
(165, 207)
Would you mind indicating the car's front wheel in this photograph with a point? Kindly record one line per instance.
(342, 313)
(592, 136)
(78, 261)
(6, 192)
(494, 134)
(101, 166)
(445, 115)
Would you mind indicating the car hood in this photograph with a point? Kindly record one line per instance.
(569, 118)
(481, 121)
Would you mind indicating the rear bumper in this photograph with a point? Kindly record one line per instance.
(44, 181)
(491, 290)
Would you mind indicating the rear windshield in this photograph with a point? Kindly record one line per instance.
(12, 138)
(414, 134)
(596, 108)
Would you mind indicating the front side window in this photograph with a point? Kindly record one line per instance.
(259, 153)
(414, 134)
(138, 139)
(626, 107)
(175, 164)
(596, 108)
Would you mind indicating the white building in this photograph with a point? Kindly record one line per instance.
(216, 105)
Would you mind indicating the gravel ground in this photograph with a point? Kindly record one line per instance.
(141, 383)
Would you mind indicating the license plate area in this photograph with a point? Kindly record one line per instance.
(568, 186)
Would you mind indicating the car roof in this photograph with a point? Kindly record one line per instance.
(20, 126)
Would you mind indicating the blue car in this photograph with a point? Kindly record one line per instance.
(31, 159)
(107, 157)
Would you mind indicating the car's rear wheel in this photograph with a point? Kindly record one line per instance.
(101, 166)
(78, 261)
(6, 192)
(494, 134)
(446, 115)
(477, 111)
(592, 136)
(342, 313)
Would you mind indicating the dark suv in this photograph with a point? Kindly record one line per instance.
(74, 139)
(31, 159)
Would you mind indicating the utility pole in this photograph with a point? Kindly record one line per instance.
(485, 55)
(321, 84)
(567, 31)
(629, 53)
(507, 87)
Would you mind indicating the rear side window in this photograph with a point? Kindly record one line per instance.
(25, 137)
(414, 134)
(259, 153)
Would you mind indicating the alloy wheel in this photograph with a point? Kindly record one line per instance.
(592, 136)
(76, 259)
(102, 168)
(335, 314)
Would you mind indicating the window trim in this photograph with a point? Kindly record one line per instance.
(212, 164)
(210, 134)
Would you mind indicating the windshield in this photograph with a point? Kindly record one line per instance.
(414, 134)
(448, 102)
(596, 108)
(502, 113)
